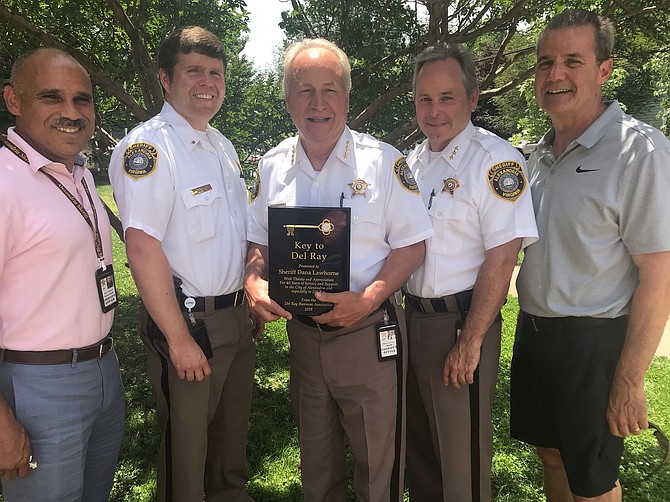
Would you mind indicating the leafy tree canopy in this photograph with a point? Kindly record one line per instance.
(382, 37)
(116, 41)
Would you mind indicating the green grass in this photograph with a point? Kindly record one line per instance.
(273, 455)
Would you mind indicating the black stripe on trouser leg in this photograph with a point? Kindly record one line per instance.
(165, 388)
(475, 472)
(395, 475)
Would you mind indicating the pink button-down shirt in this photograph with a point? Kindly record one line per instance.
(48, 294)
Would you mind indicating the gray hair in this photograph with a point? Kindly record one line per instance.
(443, 52)
(572, 18)
(316, 43)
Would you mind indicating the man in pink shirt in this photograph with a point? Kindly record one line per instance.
(61, 397)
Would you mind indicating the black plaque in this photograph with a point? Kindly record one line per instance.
(308, 251)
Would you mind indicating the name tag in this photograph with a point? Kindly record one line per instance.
(201, 189)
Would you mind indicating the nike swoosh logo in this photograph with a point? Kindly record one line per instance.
(580, 170)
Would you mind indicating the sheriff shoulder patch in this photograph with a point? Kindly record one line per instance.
(140, 160)
(405, 176)
(507, 180)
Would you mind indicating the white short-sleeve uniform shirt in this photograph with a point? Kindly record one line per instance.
(477, 195)
(386, 209)
(185, 188)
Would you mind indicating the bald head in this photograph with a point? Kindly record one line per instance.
(51, 96)
(24, 65)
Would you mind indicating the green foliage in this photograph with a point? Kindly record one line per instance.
(660, 66)
(533, 122)
(639, 78)
(117, 41)
(502, 35)
(253, 115)
(380, 37)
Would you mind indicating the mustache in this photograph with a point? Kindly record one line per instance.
(65, 122)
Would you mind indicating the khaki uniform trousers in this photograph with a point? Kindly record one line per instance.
(204, 424)
(338, 386)
(449, 431)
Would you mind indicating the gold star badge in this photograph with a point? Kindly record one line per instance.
(358, 187)
(451, 184)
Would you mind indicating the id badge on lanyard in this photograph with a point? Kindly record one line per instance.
(104, 276)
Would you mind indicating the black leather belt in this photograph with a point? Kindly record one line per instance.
(555, 324)
(70, 356)
(220, 302)
(308, 321)
(460, 302)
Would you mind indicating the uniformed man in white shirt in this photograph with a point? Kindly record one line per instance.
(183, 204)
(474, 186)
(339, 383)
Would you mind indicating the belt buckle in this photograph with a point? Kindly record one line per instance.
(101, 351)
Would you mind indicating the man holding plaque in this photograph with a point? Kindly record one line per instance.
(183, 202)
(347, 365)
(474, 186)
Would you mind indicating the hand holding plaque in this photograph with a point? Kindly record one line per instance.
(309, 250)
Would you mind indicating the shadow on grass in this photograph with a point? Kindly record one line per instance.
(273, 453)
(136, 473)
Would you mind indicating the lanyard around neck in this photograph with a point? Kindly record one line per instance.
(93, 225)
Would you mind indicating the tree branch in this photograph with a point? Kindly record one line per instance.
(373, 107)
(145, 67)
(97, 75)
(409, 140)
(523, 76)
(470, 33)
(401, 131)
(498, 58)
(308, 29)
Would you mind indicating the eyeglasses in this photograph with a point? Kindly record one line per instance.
(644, 457)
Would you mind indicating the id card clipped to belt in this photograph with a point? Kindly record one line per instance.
(387, 339)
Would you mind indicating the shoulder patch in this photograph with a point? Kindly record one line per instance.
(140, 160)
(405, 176)
(507, 180)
